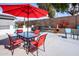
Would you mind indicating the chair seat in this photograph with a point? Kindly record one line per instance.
(17, 41)
(19, 31)
(34, 42)
(37, 32)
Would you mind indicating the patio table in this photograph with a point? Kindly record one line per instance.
(28, 37)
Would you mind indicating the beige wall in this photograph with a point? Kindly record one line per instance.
(70, 19)
(54, 21)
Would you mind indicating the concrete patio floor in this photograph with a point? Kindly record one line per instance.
(55, 45)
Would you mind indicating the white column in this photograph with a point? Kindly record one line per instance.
(24, 28)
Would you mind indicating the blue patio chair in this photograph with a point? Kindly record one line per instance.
(68, 31)
(77, 26)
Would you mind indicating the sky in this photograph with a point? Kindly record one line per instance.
(58, 14)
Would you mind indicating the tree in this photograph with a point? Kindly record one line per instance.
(74, 10)
(61, 7)
(48, 7)
(52, 7)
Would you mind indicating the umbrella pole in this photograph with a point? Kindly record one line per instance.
(28, 22)
(24, 22)
(28, 27)
(24, 34)
(28, 31)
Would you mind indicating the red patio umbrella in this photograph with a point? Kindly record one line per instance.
(24, 10)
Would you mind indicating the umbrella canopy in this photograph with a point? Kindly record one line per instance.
(7, 16)
(30, 19)
(24, 10)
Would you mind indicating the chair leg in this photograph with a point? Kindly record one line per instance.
(26, 51)
(73, 36)
(25, 48)
(12, 52)
(77, 37)
(37, 51)
(44, 47)
(65, 35)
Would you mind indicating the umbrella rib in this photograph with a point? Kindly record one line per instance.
(13, 9)
(19, 13)
(38, 11)
(35, 13)
(26, 11)
(29, 14)
(32, 10)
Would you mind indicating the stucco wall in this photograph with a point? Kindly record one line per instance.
(5, 24)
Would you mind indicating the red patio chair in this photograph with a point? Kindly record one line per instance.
(19, 31)
(36, 44)
(13, 43)
(37, 31)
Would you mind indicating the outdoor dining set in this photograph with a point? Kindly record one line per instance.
(28, 12)
(30, 41)
(73, 32)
